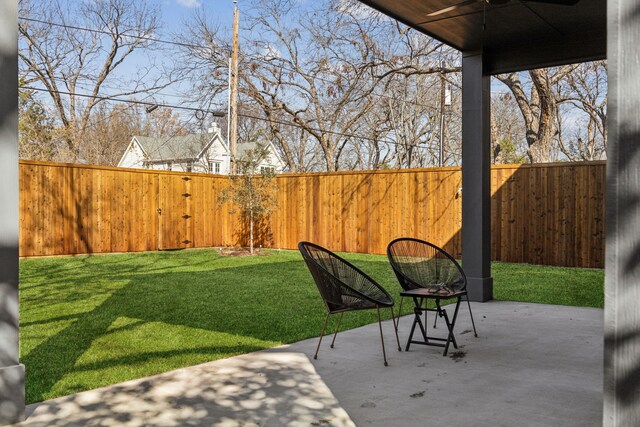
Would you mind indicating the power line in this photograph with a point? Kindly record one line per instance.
(215, 113)
(108, 33)
(131, 101)
(146, 92)
(196, 46)
(95, 124)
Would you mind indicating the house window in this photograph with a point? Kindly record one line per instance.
(267, 170)
(214, 167)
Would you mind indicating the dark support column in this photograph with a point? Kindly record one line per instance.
(11, 371)
(476, 178)
(622, 266)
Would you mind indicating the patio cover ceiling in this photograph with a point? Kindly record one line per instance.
(516, 35)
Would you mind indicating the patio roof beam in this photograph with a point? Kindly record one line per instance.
(506, 59)
(513, 35)
(11, 371)
(476, 177)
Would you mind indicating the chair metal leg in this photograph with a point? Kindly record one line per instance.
(416, 319)
(451, 325)
(471, 314)
(397, 324)
(337, 328)
(315, 356)
(396, 329)
(423, 329)
(384, 353)
(435, 319)
(417, 312)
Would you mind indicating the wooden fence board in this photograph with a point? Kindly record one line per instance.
(543, 214)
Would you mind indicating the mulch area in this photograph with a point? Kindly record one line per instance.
(240, 251)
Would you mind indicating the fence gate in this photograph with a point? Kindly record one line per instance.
(174, 212)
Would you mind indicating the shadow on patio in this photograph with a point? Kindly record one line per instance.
(533, 364)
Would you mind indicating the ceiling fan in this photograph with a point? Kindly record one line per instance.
(499, 2)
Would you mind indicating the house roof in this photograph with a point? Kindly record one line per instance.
(174, 147)
(513, 35)
(243, 147)
(187, 147)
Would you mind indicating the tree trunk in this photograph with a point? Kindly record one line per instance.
(540, 145)
(251, 232)
(329, 155)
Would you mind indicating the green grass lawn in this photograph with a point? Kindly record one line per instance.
(90, 321)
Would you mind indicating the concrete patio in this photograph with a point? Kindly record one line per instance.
(533, 365)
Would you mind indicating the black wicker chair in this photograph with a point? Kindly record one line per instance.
(425, 272)
(343, 288)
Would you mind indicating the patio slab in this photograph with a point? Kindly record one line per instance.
(257, 389)
(532, 364)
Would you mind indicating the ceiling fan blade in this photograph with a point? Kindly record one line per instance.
(454, 7)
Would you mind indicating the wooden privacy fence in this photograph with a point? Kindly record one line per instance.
(543, 214)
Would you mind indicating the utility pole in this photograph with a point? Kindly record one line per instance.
(445, 100)
(233, 93)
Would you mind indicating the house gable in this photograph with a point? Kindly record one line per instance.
(272, 160)
(134, 155)
(190, 153)
(215, 156)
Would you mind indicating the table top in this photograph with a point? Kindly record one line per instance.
(434, 292)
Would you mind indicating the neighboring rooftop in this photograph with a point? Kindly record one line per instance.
(174, 147)
(182, 147)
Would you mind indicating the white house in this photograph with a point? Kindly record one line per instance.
(203, 153)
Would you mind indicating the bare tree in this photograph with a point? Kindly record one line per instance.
(77, 48)
(418, 121)
(507, 130)
(585, 89)
(325, 75)
(251, 191)
(35, 129)
(539, 107)
(110, 129)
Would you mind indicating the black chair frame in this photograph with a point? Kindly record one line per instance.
(340, 297)
(420, 293)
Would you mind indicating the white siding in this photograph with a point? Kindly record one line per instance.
(217, 152)
(133, 157)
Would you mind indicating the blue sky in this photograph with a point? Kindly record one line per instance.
(175, 15)
(176, 12)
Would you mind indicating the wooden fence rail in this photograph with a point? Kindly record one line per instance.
(543, 214)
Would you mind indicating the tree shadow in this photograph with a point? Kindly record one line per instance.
(262, 233)
(549, 214)
(246, 302)
(279, 388)
(354, 212)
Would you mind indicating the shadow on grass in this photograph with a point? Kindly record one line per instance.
(128, 316)
(271, 302)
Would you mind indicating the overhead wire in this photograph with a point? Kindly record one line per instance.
(196, 46)
(147, 93)
(95, 124)
(214, 113)
(199, 110)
